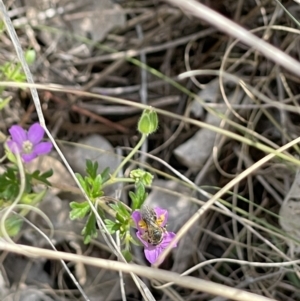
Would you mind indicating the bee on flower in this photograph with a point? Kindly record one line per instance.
(152, 232)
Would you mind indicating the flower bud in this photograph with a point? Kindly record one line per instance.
(30, 56)
(148, 122)
(140, 175)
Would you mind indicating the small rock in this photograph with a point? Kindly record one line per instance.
(57, 211)
(94, 148)
(15, 265)
(194, 152)
(210, 95)
(60, 174)
(28, 294)
(100, 17)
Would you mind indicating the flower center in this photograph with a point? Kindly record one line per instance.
(27, 147)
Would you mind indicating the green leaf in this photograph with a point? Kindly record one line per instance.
(9, 187)
(147, 179)
(127, 255)
(91, 168)
(140, 191)
(142, 179)
(134, 200)
(12, 226)
(141, 195)
(121, 218)
(11, 173)
(101, 212)
(89, 231)
(123, 209)
(114, 206)
(13, 72)
(79, 210)
(111, 226)
(10, 192)
(4, 102)
(40, 177)
(89, 181)
(81, 181)
(47, 174)
(122, 215)
(97, 187)
(10, 156)
(105, 175)
(33, 198)
(92, 183)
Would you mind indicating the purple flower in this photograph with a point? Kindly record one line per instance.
(28, 144)
(152, 251)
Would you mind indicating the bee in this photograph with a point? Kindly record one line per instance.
(154, 233)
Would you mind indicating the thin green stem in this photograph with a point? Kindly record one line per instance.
(117, 180)
(134, 150)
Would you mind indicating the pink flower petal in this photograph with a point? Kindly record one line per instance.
(169, 236)
(162, 213)
(136, 216)
(13, 146)
(42, 148)
(35, 133)
(28, 157)
(18, 134)
(152, 254)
